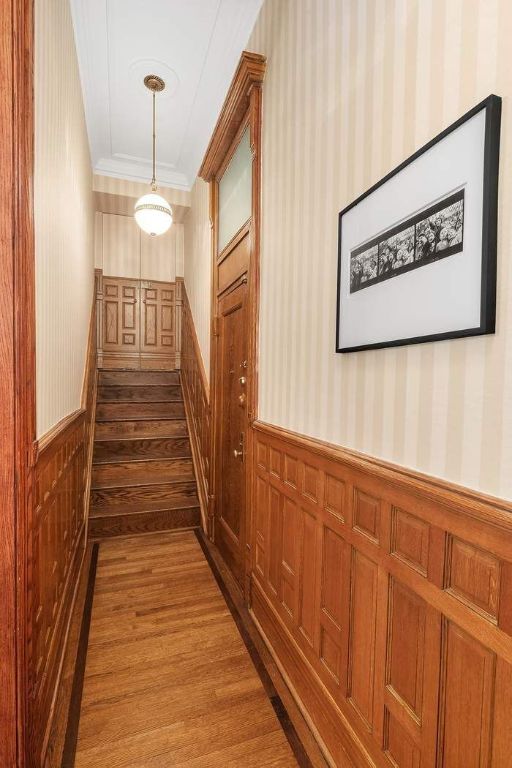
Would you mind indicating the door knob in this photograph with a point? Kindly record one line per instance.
(241, 400)
(238, 454)
(243, 381)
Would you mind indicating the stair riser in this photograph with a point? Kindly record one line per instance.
(172, 496)
(141, 428)
(147, 472)
(144, 522)
(156, 448)
(135, 378)
(143, 394)
(130, 411)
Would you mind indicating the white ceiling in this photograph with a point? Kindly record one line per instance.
(194, 45)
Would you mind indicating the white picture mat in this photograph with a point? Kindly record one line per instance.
(440, 297)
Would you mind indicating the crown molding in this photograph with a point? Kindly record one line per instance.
(132, 171)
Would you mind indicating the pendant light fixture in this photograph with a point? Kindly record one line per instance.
(153, 213)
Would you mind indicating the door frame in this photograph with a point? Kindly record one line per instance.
(17, 369)
(242, 107)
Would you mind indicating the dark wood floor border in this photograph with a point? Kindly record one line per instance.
(68, 755)
(279, 708)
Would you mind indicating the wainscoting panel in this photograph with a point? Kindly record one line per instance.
(386, 597)
(196, 396)
(62, 481)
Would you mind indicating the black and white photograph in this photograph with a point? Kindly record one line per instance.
(408, 244)
(431, 234)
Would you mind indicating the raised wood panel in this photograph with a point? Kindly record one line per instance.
(468, 685)
(363, 616)
(398, 745)
(62, 488)
(121, 315)
(235, 265)
(391, 618)
(406, 647)
(196, 397)
(139, 323)
(473, 576)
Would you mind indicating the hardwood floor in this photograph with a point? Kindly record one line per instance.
(168, 679)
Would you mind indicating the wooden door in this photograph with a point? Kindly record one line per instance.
(158, 324)
(121, 322)
(232, 167)
(230, 532)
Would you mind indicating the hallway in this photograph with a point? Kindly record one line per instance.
(168, 679)
(255, 378)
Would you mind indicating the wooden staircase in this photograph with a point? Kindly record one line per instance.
(142, 475)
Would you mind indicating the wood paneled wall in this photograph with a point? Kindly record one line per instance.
(62, 480)
(196, 395)
(139, 323)
(387, 599)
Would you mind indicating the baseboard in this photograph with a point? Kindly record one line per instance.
(341, 745)
(57, 725)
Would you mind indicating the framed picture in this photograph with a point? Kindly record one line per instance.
(417, 251)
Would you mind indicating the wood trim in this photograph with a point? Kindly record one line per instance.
(477, 504)
(298, 749)
(17, 368)
(58, 431)
(63, 459)
(385, 596)
(197, 407)
(242, 108)
(68, 744)
(237, 237)
(249, 73)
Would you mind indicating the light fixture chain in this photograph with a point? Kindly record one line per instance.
(153, 180)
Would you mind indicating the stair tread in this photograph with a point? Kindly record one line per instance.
(139, 402)
(147, 471)
(124, 460)
(131, 438)
(138, 508)
(130, 483)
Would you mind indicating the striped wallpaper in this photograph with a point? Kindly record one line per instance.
(64, 218)
(352, 88)
(123, 250)
(198, 266)
(134, 189)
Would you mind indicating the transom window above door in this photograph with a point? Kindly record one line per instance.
(235, 192)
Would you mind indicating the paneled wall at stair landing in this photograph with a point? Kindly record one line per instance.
(351, 90)
(64, 218)
(122, 250)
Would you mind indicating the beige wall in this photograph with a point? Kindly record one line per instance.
(64, 218)
(123, 250)
(198, 266)
(352, 89)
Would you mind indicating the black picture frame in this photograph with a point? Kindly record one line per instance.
(492, 107)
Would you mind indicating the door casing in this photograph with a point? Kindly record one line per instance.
(242, 108)
(17, 371)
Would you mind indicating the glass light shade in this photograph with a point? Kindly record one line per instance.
(153, 214)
